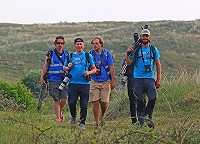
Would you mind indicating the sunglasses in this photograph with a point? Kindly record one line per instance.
(62, 43)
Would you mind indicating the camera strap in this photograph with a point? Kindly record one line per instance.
(151, 57)
(58, 56)
(101, 59)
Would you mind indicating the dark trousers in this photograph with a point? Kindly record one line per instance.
(132, 100)
(75, 90)
(145, 87)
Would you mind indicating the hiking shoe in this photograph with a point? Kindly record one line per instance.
(82, 126)
(73, 122)
(150, 123)
(38, 108)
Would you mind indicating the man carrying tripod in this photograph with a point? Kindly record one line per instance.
(145, 56)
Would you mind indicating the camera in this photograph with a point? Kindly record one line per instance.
(65, 81)
(98, 72)
(148, 68)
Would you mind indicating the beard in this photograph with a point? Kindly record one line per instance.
(145, 41)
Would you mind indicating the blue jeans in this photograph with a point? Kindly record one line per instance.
(75, 90)
(145, 87)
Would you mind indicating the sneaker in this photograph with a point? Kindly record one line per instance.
(73, 122)
(150, 123)
(82, 126)
(38, 108)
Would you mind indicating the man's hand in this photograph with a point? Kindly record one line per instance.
(128, 51)
(70, 65)
(42, 81)
(157, 84)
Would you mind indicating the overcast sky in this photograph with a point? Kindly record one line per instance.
(55, 11)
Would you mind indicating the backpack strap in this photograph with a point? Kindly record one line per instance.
(59, 56)
(152, 49)
(49, 55)
(105, 53)
(136, 54)
(70, 58)
(87, 59)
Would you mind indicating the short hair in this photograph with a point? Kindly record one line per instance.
(101, 41)
(59, 37)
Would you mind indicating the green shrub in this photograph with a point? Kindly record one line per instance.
(31, 80)
(18, 93)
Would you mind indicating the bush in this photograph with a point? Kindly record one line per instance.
(17, 93)
(31, 80)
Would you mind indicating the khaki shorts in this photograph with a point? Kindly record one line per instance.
(100, 91)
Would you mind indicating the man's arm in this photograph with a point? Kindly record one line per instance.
(128, 59)
(112, 73)
(158, 70)
(44, 71)
(92, 71)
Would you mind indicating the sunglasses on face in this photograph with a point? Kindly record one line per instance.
(62, 43)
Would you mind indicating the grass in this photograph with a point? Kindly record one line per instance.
(175, 116)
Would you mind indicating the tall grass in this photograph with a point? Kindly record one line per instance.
(175, 116)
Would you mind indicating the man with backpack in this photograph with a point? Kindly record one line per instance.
(53, 67)
(103, 81)
(80, 66)
(144, 57)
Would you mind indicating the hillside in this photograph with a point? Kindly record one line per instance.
(23, 46)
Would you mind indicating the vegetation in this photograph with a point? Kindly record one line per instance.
(31, 80)
(23, 48)
(176, 119)
(18, 94)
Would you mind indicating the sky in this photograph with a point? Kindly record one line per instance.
(55, 11)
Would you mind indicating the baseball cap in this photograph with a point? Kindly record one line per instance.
(145, 31)
(78, 40)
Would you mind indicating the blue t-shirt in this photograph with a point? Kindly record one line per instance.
(145, 59)
(79, 65)
(102, 61)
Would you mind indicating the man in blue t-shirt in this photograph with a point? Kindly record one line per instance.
(144, 83)
(79, 84)
(103, 81)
